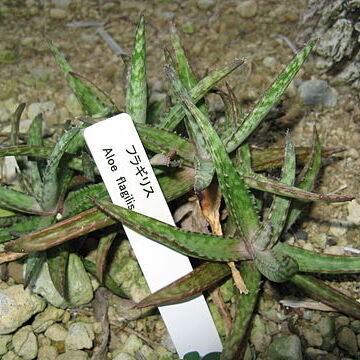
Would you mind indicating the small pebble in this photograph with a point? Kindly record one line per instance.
(56, 332)
(247, 9)
(270, 62)
(346, 340)
(58, 14)
(206, 4)
(354, 212)
(317, 92)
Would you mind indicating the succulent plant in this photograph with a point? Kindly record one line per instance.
(62, 197)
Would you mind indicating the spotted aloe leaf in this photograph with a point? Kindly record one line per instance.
(27, 150)
(102, 252)
(235, 343)
(61, 232)
(78, 200)
(19, 201)
(203, 246)
(26, 227)
(34, 263)
(163, 141)
(260, 182)
(233, 188)
(57, 260)
(90, 98)
(234, 116)
(10, 219)
(15, 124)
(264, 159)
(204, 169)
(307, 179)
(108, 281)
(311, 262)
(56, 174)
(136, 96)
(318, 290)
(278, 212)
(176, 113)
(269, 99)
(34, 166)
(194, 283)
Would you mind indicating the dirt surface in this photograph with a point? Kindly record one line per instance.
(212, 37)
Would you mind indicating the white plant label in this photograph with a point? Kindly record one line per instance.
(130, 181)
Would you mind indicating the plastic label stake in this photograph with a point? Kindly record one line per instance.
(130, 181)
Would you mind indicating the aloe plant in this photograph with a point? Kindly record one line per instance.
(56, 211)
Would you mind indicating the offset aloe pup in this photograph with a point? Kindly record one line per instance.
(61, 196)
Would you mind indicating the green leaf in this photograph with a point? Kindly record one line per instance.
(307, 179)
(320, 263)
(260, 182)
(318, 290)
(176, 113)
(136, 96)
(264, 159)
(108, 281)
(88, 166)
(18, 201)
(203, 246)
(92, 100)
(102, 252)
(194, 283)
(163, 141)
(24, 227)
(33, 166)
(34, 263)
(81, 224)
(15, 123)
(235, 343)
(204, 168)
(35, 131)
(52, 184)
(79, 200)
(26, 150)
(280, 206)
(234, 117)
(6, 221)
(233, 188)
(57, 259)
(269, 99)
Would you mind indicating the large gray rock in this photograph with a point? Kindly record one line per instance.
(80, 291)
(25, 343)
(17, 306)
(337, 41)
(285, 348)
(333, 24)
